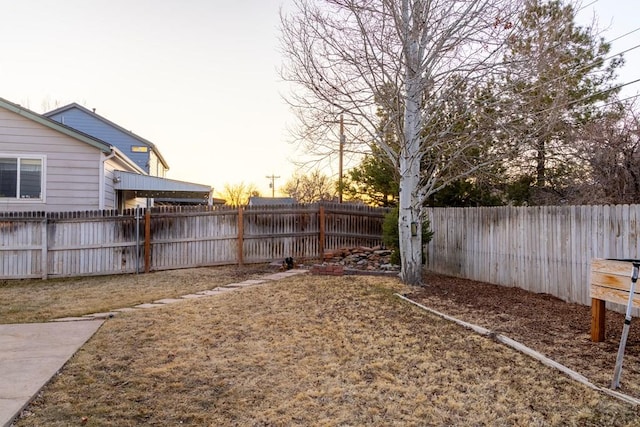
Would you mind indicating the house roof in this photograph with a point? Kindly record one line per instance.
(154, 186)
(109, 123)
(270, 201)
(59, 127)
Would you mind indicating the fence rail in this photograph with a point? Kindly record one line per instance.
(39, 244)
(546, 249)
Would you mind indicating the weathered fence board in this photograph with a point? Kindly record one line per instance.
(108, 242)
(543, 249)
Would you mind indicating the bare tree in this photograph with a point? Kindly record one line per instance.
(407, 57)
(609, 149)
(310, 188)
(238, 194)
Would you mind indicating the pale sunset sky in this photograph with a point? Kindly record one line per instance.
(198, 78)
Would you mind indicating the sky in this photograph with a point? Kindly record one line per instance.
(198, 78)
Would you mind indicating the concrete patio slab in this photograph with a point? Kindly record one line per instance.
(71, 319)
(30, 354)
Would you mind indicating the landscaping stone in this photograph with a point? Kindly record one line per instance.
(357, 260)
(167, 301)
(147, 305)
(105, 315)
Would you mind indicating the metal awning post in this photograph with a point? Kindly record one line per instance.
(625, 329)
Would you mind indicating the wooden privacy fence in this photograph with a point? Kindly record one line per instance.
(543, 249)
(34, 245)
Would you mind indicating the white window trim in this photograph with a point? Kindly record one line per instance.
(43, 160)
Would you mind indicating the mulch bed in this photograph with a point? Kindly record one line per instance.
(559, 330)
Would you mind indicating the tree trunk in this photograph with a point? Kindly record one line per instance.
(410, 207)
(410, 233)
(541, 160)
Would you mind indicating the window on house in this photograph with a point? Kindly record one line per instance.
(20, 177)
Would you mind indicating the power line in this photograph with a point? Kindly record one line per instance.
(586, 97)
(620, 100)
(587, 5)
(578, 68)
(624, 35)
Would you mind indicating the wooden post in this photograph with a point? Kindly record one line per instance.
(597, 320)
(240, 235)
(44, 262)
(147, 240)
(322, 234)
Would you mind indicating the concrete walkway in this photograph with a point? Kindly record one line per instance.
(32, 353)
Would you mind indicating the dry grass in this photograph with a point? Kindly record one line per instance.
(27, 301)
(308, 351)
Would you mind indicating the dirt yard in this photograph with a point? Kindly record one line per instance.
(559, 330)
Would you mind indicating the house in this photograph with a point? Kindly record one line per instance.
(141, 151)
(46, 165)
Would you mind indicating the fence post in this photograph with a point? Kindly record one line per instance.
(322, 233)
(240, 235)
(147, 240)
(45, 244)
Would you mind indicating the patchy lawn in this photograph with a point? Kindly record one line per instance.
(310, 350)
(28, 301)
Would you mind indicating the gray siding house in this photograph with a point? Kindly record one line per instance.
(48, 166)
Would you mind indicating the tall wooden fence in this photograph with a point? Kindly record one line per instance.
(34, 245)
(546, 249)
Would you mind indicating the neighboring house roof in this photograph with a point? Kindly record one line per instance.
(268, 201)
(160, 201)
(142, 140)
(153, 186)
(57, 126)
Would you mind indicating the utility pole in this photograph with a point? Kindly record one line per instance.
(272, 184)
(342, 140)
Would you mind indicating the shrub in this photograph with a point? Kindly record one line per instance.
(391, 237)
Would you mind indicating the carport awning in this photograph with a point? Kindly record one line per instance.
(154, 186)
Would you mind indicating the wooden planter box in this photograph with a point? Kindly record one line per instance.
(610, 281)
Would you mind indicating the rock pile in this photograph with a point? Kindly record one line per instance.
(361, 258)
(357, 260)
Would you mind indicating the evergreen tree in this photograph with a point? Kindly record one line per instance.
(559, 74)
(373, 181)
